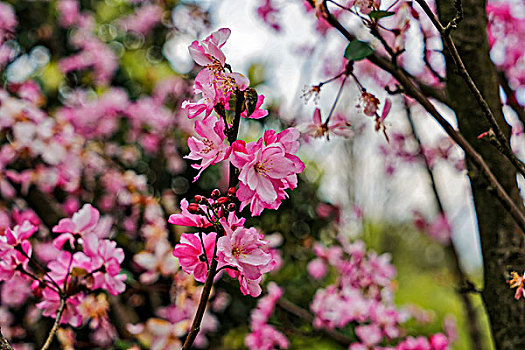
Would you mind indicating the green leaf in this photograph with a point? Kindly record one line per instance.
(380, 14)
(251, 97)
(357, 50)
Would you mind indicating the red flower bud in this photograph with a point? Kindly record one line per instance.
(232, 207)
(194, 208)
(198, 198)
(231, 191)
(223, 200)
(215, 194)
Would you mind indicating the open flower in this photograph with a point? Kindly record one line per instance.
(191, 256)
(209, 146)
(242, 248)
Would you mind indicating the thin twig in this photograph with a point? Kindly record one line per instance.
(335, 101)
(503, 144)
(60, 311)
(473, 324)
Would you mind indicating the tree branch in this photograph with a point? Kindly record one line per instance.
(413, 91)
(60, 311)
(473, 324)
(212, 271)
(503, 143)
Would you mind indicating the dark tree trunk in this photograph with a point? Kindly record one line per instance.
(502, 242)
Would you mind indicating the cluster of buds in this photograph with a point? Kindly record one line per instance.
(217, 203)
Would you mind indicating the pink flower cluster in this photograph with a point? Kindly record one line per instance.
(267, 168)
(363, 293)
(69, 276)
(264, 336)
(93, 53)
(8, 22)
(506, 30)
(439, 229)
(241, 251)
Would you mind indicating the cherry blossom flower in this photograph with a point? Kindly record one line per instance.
(268, 13)
(338, 126)
(209, 147)
(208, 51)
(242, 248)
(51, 301)
(85, 221)
(105, 259)
(191, 256)
(266, 169)
(185, 218)
(159, 262)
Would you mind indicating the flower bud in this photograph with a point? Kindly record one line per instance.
(232, 207)
(215, 194)
(231, 191)
(223, 200)
(198, 198)
(194, 208)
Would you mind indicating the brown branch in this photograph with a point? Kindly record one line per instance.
(473, 324)
(60, 311)
(375, 58)
(212, 271)
(4, 344)
(503, 144)
(413, 91)
(298, 311)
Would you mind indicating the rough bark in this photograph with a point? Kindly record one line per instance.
(502, 242)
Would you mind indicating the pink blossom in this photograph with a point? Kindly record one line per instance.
(370, 335)
(69, 12)
(317, 269)
(159, 262)
(15, 291)
(20, 234)
(105, 259)
(208, 51)
(265, 306)
(266, 337)
(439, 341)
(143, 20)
(268, 13)
(185, 218)
(191, 255)
(8, 20)
(266, 170)
(209, 147)
(249, 286)
(83, 221)
(242, 249)
(51, 301)
(338, 126)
